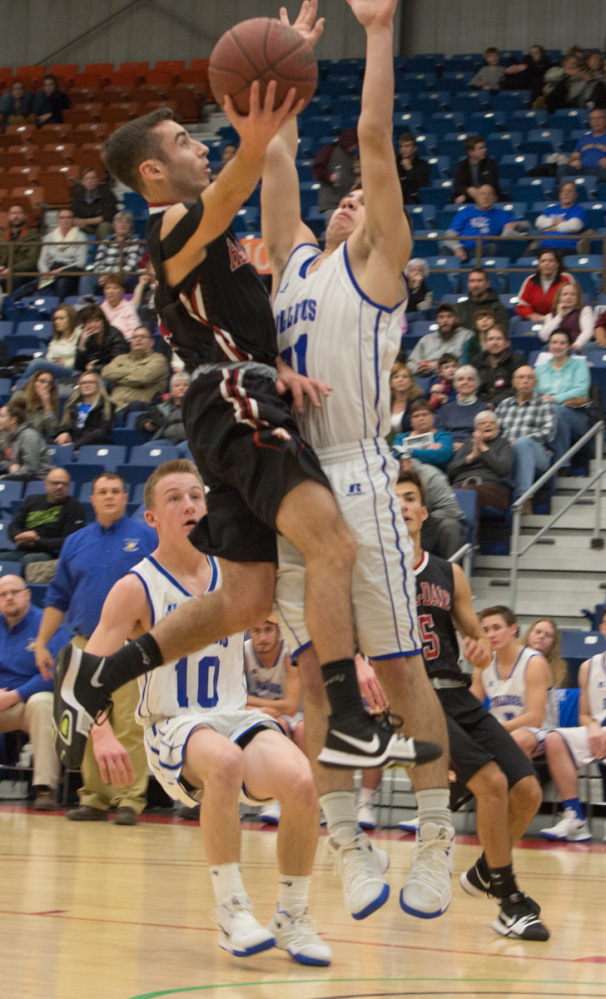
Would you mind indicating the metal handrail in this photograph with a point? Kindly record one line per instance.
(517, 552)
(10, 272)
(463, 555)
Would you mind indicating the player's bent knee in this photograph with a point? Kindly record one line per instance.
(224, 768)
(489, 782)
(527, 794)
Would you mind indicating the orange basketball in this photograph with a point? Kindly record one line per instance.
(262, 49)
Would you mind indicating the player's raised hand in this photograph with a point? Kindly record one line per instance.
(371, 12)
(306, 23)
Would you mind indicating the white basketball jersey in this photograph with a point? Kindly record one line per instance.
(211, 678)
(269, 683)
(507, 698)
(596, 687)
(329, 329)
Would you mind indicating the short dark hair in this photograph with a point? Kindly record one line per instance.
(484, 311)
(16, 409)
(499, 610)
(407, 137)
(491, 49)
(480, 270)
(416, 480)
(109, 475)
(447, 359)
(472, 141)
(418, 404)
(133, 143)
(445, 307)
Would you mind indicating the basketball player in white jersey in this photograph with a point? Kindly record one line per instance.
(518, 683)
(569, 749)
(338, 316)
(202, 743)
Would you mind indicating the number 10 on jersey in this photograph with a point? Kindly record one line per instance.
(201, 688)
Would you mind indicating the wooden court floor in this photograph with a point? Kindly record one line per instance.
(104, 912)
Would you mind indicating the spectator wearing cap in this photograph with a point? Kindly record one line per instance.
(448, 338)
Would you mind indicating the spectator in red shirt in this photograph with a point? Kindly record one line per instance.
(535, 298)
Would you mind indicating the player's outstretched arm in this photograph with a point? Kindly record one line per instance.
(386, 234)
(476, 644)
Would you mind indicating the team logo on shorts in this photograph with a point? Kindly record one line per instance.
(281, 433)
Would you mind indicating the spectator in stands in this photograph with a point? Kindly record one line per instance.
(569, 749)
(119, 310)
(25, 454)
(544, 635)
(333, 166)
(24, 252)
(481, 219)
(526, 420)
(458, 415)
(441, 388)
(44, 520)
(570, 316)
(139, 375)
(535, 297)
(481, 296)
(93, 205)
(475, 172)
(599, 335)
(39, 395)
(89, 565)
(16, 105)
(528, 74)
(404, 390)
(436, 446)
(412, 170)
(449, 337)
(490, 76)
(227, 153)
(120, 253)
(576, 89)
(64, 250)
(26, 700)
(99, 342)
(442, 532)
(495, 366)
(420, 296)
(564, 380)
(60, 355)
(484, 463)
(50, 102)
(589, 157)
(164, 421)
(88, 415)
(484, 320)
(564, 216)
(144, 297)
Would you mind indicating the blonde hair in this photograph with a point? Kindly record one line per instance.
(31, 398)
(100, 394)
(557, 665)
(178, 466)
(558, 295)
(415, 389)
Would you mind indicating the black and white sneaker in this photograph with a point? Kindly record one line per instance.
(518, 919)
(370, 741)
(78, 698)
(474, 884)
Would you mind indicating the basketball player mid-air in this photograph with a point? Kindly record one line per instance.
(338, 315)
(261, 476)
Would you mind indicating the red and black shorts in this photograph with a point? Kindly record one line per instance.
(248, 450)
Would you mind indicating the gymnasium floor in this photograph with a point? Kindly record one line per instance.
(104, 912)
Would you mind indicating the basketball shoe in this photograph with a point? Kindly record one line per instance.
(78, 698)
(518, 919)
(474, 883)
(239, 931)
(364, 740)
(570, 828)
(293, 933)
(427, 890)
(361, 866)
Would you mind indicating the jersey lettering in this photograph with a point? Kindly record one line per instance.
(237, 255)
(298, 363)
(431, 641)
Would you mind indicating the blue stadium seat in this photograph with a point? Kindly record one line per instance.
(485, 122)
(526, 160)
(7, 327)
(532, 189)
(467, 500)
(423, 216)
(587, 262)
(153, 453)
(439, 167)
(443, 122)
(578, 646)
(33, 488)
(61, 454)
(128, 436)
(441, 285)
(553, 135)
(44, 305)
(5, 386)
(247, 219)
(471, 103)
(452, 148)
(6, 543)
(569, 118)
(500, 146)
(82, 472)
(134, 473)
(567, 699)
(40, 329)
(595, 213)
(430, 102)
(510, 101)
(427, 144)
(529, 118)
(439, 197)
(37, 593)
(537, 147)
(108, 455)
(10, 492)
(408, 121)
(11, 568)
(17, 344)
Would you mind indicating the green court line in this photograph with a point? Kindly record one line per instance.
(360, 981)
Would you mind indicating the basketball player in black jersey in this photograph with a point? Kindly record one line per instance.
(261, 476)
(483, 754)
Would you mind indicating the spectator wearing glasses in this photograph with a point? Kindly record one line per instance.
(44, 521)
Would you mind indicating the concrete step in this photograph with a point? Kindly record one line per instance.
(539, 597)
(563, 553)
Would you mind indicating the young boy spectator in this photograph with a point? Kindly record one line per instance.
(490, 76)
(442, 388)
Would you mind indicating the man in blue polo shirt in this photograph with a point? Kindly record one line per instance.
(26, 700)
(590, 154)
(481, 219)
(91, 561)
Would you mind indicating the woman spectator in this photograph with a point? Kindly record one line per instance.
(61, 352)
(50, 102)
(544, 635)
(420, 297)
(118, 310)
(458, 416)
(535, 297)
(569, 316)
(39, 396)
(564, 381)
(25, 453)
(528, 74)
(599, 336)
(404, 390)
(99, 342)
(16, 105)
(88, 415)
(484, 463)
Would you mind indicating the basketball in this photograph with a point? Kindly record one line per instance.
(263, 49)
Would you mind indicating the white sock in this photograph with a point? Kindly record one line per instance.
(293, 892)
(339, 807)
(226, 880)
(366, 796)
(433, 806)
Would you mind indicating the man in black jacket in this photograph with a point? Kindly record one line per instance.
(481, 296)
(412, 170)
(93, 205)
(475, 171)
(44, 520)
(496, 365)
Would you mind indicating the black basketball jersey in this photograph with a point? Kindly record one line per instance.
(221, 311)
(435, 597)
